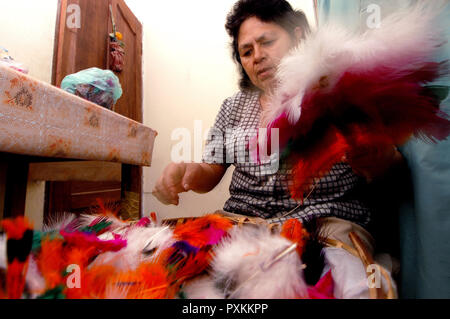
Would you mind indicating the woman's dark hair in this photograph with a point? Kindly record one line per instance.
(276, 11)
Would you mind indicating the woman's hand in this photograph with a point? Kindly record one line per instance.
(183, 177)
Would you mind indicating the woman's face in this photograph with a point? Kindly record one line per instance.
(261, 46)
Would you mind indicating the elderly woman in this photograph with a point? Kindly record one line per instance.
(262, 33)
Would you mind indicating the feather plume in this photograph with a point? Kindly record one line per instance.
(206, 230)
(349, 274)
(60, 221)
(81, 239)
(51, 262)
(346, 94)
(15, 279)
(16, 228)
(239, 266)
(323, 289)
(202, 287)
(19, 232)
(143, 244)
(35, 282)
(148, 281)
(406, 38)
(93, 283)
(314, 163)
(293, 230)
(86, 220)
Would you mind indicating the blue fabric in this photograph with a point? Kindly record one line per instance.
(424, 218)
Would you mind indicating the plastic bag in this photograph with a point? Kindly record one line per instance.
(98, 86)
(7, 60)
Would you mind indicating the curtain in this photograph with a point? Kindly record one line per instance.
(424, 218)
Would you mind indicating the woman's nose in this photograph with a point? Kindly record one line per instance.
(259, 54)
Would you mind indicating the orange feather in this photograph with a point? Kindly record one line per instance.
(93, 283)
(50, 261)
(196, 233)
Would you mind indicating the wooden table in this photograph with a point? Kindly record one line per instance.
(48, 134)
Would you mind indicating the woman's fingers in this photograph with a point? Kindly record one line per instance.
(169, 184)
(163, 194)
(191, 176)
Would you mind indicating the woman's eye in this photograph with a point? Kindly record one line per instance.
(268, 42)
(246, 53)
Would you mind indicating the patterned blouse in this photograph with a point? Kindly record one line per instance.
(261, 190)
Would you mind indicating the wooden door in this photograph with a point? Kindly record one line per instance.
(83, 45)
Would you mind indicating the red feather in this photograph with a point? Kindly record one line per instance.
(15, 279)
(19, 234)
(315, 163)
(362, 117)
(15, 228)
(293, 230)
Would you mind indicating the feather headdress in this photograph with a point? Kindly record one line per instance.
(343, 94)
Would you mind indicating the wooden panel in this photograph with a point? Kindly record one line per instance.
(78, 49)
(130, 104)
(86, 47)
(16, 189)
(91, 187)
(57, 199)
(85, 194)
(79, 197)
(82, 48)
(75, 171)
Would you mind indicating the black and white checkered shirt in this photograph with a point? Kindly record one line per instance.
(257, 191)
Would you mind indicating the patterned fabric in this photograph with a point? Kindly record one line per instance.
(261, 190)
(39, 119)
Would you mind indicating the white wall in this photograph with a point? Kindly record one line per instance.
(188, 72)
(27, 31)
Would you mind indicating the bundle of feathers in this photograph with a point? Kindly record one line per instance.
(103, 257)
(357, 95)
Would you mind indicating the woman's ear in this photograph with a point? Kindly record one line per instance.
(298, 34)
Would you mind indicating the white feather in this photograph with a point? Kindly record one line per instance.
(58, 221)
(85, 220)
(34, 280)
(154, 239)
(202, 288)
(405, 38)
(239, 262)
(349, 275)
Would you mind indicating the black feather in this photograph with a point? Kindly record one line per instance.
(313, 256)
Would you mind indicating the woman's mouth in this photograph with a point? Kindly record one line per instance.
(265, 73)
